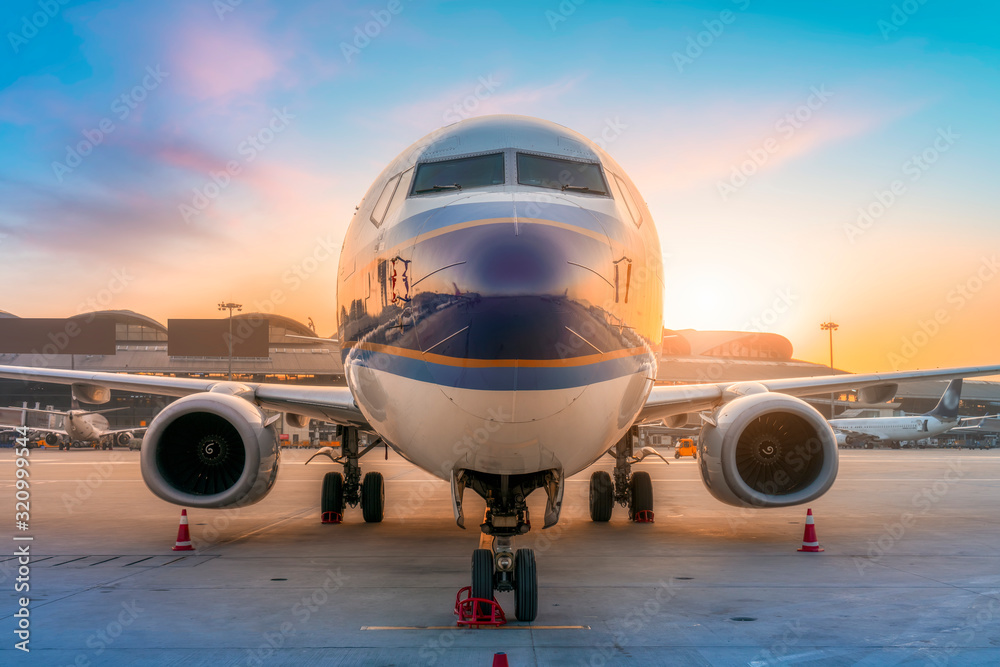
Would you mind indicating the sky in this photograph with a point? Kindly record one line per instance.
(802, 164)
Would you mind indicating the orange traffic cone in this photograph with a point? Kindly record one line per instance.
(810, 543)
(500, 660)
(183, 535)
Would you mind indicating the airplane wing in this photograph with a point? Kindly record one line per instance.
(336, 404)
(667, 400)
(333, 404)
(855, 436)
(133, 431)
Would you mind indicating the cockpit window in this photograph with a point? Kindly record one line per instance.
(461, 173)
(558, 174)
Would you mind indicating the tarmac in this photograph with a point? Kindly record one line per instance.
(910, 572)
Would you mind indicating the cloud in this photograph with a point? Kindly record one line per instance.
(707, 149)
(490, 93)
(221, 62)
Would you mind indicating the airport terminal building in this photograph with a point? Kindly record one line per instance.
(296, 354)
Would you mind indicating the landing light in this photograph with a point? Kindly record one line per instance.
(504, 562)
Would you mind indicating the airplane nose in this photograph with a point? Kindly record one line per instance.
(514, 306)
(501, 263)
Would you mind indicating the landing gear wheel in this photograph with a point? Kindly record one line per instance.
(482, 577)
(641, 487)
(333, 494)
(525, 585)
(602, 497)
(373, 497)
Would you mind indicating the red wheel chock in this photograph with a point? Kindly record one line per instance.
(644, 516)
(332, 517)
(472, 612)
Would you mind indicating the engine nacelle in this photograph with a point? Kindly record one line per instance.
(51, 439)
(123, 439)
(768, 450)
(210, 450)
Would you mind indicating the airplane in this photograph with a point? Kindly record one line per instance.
(499, 304)
(83, 426)
(865, 431)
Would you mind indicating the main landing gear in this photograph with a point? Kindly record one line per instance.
(501, 568)
(348, 488)
(633, 491)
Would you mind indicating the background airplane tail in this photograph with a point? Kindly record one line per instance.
(947, 407)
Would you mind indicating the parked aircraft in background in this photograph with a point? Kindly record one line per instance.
(500, 309)
(80, 427)
(866, 431)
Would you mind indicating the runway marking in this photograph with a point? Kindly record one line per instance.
(486, 627)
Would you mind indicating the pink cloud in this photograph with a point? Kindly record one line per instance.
(217, 63)
(708, 150)
(489, 94)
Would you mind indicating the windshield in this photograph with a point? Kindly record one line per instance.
(558, 174)
(459, 174)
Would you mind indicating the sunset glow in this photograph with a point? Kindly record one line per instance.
(800, 164)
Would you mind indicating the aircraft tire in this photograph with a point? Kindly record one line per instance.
(332, 499)
(373, 497)
(525, 586)
(641, 496)
(602, 498)
(482, 576)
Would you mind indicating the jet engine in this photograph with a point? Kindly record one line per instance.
(210, 450)
(51, 439)
(767, 450)
(123, 439)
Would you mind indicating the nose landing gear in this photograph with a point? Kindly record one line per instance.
(500, 568)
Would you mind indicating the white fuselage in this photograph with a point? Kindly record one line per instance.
(83, 426)
(894, 428)
(509, 328)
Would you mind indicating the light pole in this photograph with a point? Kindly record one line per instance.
(230, 306)
(831, 327)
